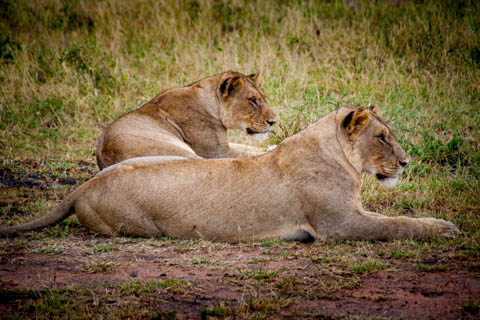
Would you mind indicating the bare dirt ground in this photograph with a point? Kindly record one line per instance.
(67, 272)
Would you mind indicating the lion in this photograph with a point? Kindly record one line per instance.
(306, 189)
(191, 122)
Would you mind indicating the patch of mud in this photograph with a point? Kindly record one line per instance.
(33, 180)
(9, 178)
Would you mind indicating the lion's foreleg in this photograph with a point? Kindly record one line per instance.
(244, 150)
(373, 226)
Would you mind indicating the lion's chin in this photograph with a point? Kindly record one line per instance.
(261, 136)
(389, 182)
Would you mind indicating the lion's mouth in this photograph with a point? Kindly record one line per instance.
(386, 180)
(251, 131)
(381, 176)
(260, 136)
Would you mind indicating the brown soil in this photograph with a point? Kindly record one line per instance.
(397, 293)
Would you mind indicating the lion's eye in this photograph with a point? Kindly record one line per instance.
(382, 139)
(253, 101)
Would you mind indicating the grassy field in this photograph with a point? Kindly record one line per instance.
(68, 68)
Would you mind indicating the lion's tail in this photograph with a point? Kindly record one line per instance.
(57, 214)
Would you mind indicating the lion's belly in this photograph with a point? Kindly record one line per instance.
(214, 215)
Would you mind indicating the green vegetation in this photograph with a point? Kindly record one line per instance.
(380, 298)
(219, 312)
(200, 261)
(147, 288)
(104, 248)
(98, 267)
(435, 268)
(50, 250)
(272, 242)
(368, 266)
(260, 274)
(62, 229)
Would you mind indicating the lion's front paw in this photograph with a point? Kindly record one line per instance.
(447, 229)
(441, 228)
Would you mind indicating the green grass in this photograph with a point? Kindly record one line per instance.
(62, 229)
(218, 312)
(149, 288)
(260, 275)
(98, 267)
(104, 248)
(426, 268)
(50, 250)
(369, 266)
(381, 298)
(272, 242)
(203, 261)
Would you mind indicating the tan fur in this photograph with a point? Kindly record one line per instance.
(307, 188)
(190, 122)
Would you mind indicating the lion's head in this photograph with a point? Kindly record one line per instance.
(375, 145)
(244, 106)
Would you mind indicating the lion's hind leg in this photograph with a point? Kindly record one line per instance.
(89, 217)
(101, 220)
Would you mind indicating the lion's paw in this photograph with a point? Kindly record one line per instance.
(447, 229)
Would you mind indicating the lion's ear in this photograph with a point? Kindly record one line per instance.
(355, 122)
(375, 110)
(230, 85)
(255, 77)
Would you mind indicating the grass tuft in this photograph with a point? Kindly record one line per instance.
(369, 266)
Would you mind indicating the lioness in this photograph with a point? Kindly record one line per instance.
(191, 122)
(307, 188)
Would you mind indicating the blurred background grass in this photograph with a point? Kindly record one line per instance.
(68, 68)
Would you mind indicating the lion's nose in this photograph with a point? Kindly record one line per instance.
(271, 122)
(403, 163)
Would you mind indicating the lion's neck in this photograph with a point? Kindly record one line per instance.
(209, 102)
(320, 145)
